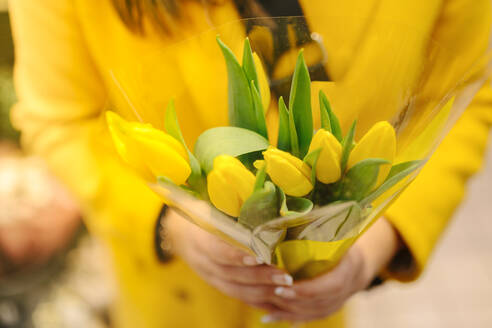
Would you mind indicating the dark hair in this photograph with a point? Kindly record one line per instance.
(163, 14)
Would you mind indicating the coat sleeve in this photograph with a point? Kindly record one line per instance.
(61, 99)
(422, 212)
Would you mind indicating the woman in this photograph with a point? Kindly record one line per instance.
(68, 52)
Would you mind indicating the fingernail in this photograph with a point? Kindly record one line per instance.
(251, 261)
(285, 292)
(268, 319)
(282, 279)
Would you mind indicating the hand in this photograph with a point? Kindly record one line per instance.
(239, 275)
(322, 296)
(227, 268)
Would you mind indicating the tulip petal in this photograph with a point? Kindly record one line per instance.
(162, 160)
(225, 201)
(230, 184)
(378, 142)
(196, 180)
(291, 174)
(146, 131)
(127, 150)
(328, 167)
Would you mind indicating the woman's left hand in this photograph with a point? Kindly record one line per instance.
(320, 297)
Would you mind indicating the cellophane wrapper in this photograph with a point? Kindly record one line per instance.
(391, 72)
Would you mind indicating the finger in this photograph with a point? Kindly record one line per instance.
(223, 253)
(301, 307)
(256, 294)
(286, 316)
(337, 282)
(307, 307)
(322, 313)
(259, 275)
(268, 307)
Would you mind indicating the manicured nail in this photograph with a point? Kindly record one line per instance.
(252, 261)
(282, 279)
(268, 319)
(285, 292)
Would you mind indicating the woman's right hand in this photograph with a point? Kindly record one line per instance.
(227, 268)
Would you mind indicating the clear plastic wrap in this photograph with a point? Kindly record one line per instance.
(391, 72)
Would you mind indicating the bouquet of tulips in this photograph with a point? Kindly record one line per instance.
(297, 190)
(298, 204)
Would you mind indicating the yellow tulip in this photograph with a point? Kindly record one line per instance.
(149, 151)
(288, 172)
(229, 184)
(378, 142)
(328, 168)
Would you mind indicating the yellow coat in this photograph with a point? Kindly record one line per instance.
(65, 50)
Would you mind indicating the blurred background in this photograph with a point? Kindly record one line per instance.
(52, 274)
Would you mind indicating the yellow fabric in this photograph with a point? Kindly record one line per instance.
(424, 209)
(68, 52)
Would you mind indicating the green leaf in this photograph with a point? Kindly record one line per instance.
(283, 141)
(325, 117)
(249, 159)
(401, 169)
(353, 217)
(325, 108)
(300, 105)
(249, 64)
(348, 145)
(259, 112)
(312, 159)
(294, 206)
(397, 173)
(260, 178)
(227, 140)
(260, 207)
(171, 125)
(165, 182)
(241, 111)
(294, 141)
(361, 178)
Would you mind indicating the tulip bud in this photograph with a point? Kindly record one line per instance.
(378, 142)
(328, 168)
(288, 172)
(230, 184)
(150, 151)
